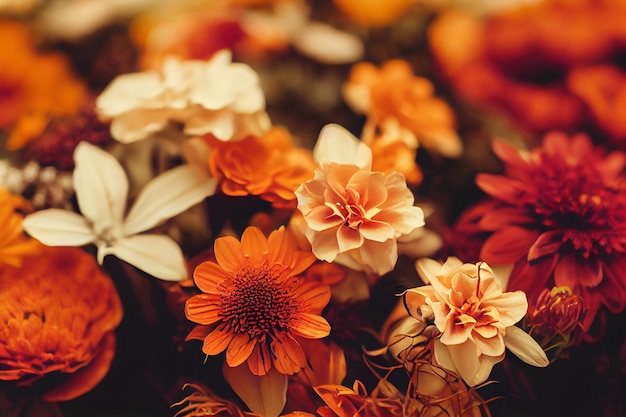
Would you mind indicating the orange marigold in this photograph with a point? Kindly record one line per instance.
(58, 315)
(269, 166)
(395, 99)
(254, 305)
(34, 87)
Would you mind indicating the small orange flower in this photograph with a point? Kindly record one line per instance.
(58, 313)
(33, 87)
(254, 306)
(14, 244)
(268, 166)
(394, 96)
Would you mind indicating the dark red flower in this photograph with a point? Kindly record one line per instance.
(559, 216)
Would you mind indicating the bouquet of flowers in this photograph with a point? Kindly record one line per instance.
(312, 208)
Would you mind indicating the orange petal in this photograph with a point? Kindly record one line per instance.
(199, 333)
(208, 275)
(216, 341)
(288, 355)
(311, 326)
(315, 295)
(203, 309)
(278, 246)
(265, 395)
(240, 349)
(229, 253)
(254, 244)
(260, 360)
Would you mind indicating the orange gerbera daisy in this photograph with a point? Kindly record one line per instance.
(254, 306)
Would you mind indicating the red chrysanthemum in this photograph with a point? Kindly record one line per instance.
(559, 216)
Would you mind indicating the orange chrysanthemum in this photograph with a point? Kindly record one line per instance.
(34, 87)
(58, 313)
(269, 166)
(254, 306)
(14, 244)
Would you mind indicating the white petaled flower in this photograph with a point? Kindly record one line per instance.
(216, 96)
(101, 188)
(475, 317)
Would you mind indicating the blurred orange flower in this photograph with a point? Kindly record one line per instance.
(269, 166)
(59, 313)
(374, 12)
(399, 102)
(254, 306)
(14, 244)
(549, 65)
(34, 87)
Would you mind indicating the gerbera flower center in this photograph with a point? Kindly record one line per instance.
(257, 300)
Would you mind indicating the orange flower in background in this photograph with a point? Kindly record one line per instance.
(396, 155)
(374, 12)
(269, 166)
(14, 244)
(401, 104)
(34, 87)
(524, 63)
(59, 313)
(254, 305)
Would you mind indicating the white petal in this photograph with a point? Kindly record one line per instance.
(522, 345)
(165, 196)
(336, 144)
(127, 92)
(265, 395)
(158, 255)
(101, 186)
(55, 227)
(251, 101)
(328, 45)
(138, 124)
(219, 123)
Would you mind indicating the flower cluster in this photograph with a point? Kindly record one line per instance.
(303, 208)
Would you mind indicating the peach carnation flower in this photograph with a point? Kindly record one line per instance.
(475, 317)
(353, 215)
(217, 96)
(253, 304)
(59, 313)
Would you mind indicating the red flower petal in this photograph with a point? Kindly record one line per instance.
(508, 245)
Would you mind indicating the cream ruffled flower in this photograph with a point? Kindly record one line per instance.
(354, 216)
(101, 188)
(476, 319)
(217, 97)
